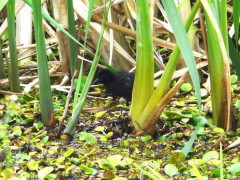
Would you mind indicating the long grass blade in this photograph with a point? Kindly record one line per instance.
(236, 16)
(144, 82)
(13, 74)
(184, 45)
(46, 103)
(234, 56)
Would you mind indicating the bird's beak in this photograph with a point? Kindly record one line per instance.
(96, 81)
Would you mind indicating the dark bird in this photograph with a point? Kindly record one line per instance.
(117, 84)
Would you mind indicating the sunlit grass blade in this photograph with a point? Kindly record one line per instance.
(165, 80)
(197, 173)
(183, 43)
(143, 83)
(219, 68)
(46, 104)
(13, 75)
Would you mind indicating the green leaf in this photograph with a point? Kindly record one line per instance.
(234, 78)
(17, 131)
(45, 139)
(210, 155)
(218, 130)
(109, 134)
(51, 176)
(100, 128)
(186, 87)
(74, 160)
(38, 125)
(68, 152)
(84, 136)
(176, 157)
(161, 138)
(146, 138)
(115, 160)
(235, 168)
(196, 162)
(214, 162)
(204, 92)
(88, 170)
(53, 150)
(32, 165)
(155, 164)
(237, 104)
(126, 143)
(215, 172)
(5, 173)
(60, 159)
(51, 56)
(171, 170)
(180, 103)
(44, 172)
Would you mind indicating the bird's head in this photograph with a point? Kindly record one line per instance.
(104, 76)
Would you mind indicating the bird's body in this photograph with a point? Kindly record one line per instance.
(118, 84)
